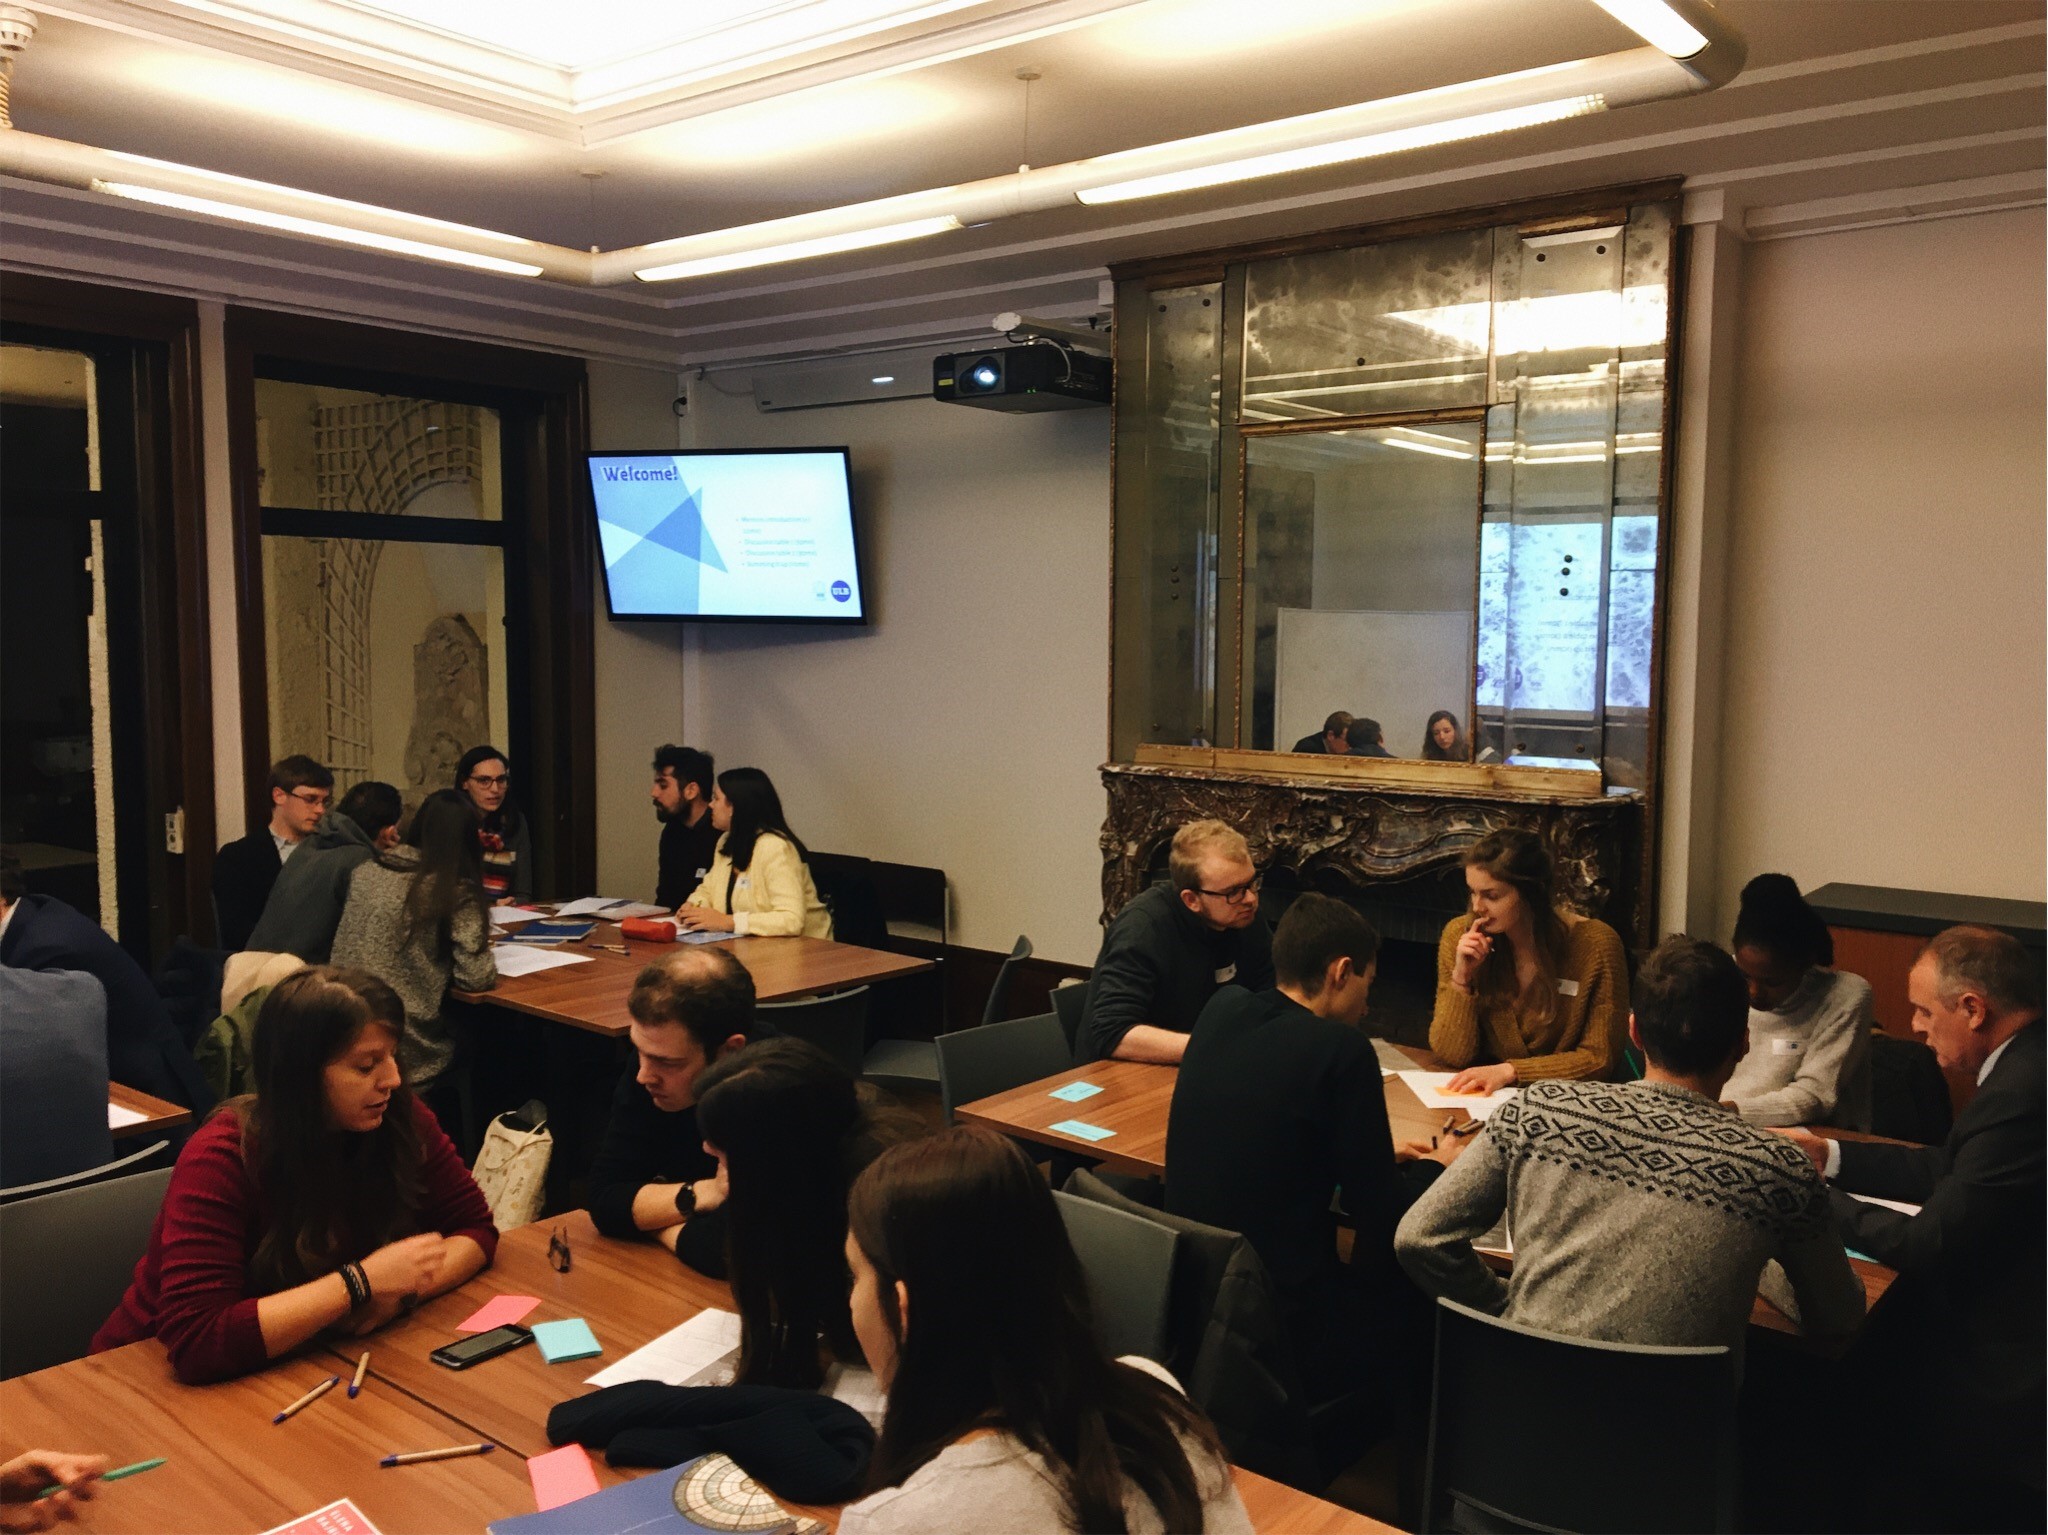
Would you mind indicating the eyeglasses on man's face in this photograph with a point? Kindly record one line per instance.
(318, 799)
(1235, 894)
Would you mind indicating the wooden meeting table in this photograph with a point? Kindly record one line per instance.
(157, 1114)
(592, 996)
(1136, 1099)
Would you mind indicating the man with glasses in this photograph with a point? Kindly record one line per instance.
(1174, 947)
(245, 870)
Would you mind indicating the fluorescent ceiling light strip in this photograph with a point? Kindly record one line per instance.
(271, 189)
(1424, 447)
(1658, 25)
(319, 230)
(1416, 431)
(797, 250)
(1393, 141)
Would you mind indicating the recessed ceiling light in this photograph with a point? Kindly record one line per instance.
(883, 378)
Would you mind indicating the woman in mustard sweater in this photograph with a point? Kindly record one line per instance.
(1524, 990)
(760, 880)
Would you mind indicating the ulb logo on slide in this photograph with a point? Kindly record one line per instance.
(841, 592)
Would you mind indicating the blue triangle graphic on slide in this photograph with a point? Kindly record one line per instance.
(683, 531)
(649, 578)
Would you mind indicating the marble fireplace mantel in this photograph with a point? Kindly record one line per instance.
(1368, 833)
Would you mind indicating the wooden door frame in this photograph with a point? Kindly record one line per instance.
(545, 399)
(176, 664)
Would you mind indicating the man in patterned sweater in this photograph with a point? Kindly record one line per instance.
(1642, 1212)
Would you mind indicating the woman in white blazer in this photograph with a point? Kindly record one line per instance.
(760, 881)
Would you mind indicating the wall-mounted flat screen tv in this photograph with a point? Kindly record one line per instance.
(737, 535)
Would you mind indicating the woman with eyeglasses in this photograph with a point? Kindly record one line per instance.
(1525, 989)
(415, 918)
(1006, 1415)
(760, 881)
(1173, 946)
(326, 1201)
(484, 776)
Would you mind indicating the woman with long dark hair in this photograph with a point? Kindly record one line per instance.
(760, 881)
(789, 1129)
(415, 918)
(1809, 1025)
(1005, 1412)
(327, 1199)
(1443, 740)
(485, 778)
(1525, 989)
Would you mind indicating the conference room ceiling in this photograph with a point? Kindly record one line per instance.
(1848, 111)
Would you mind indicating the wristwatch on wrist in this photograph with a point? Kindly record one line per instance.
(686, 1200)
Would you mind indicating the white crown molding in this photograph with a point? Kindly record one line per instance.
(1898, 205)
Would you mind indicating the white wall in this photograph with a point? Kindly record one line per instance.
(1883, 718)
(639, 666)
(963, 728)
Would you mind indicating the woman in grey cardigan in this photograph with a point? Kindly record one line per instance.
(1809, 1026)
(415, 919)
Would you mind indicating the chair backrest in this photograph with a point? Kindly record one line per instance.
(134, 1162)
(1020, 951)
(1129, 1264)
(846, 885)
(1068, 1002)
(66, 1258)
(998, 1056)
(1909, 1098)
(1513, 1410)
(836, 1024)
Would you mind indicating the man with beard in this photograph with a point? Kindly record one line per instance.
(682, 802)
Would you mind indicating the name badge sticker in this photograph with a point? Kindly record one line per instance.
(1226, 975)
(744, 882)
(1787, 1046)
(1567, 988)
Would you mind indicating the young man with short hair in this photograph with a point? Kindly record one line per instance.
(1173, 946)
(1641, 1212)
(1278, 1108)
(1366, 739)
(245, 870)
(306, 903)
(682, 803)
(1332, 742)
(652, 1175)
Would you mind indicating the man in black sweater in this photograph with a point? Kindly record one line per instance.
(1173, 946)
(1280, 1106)
(1961, 1330)
(1332, 742)
(245, 870)
(682, 802)
(652, 1176)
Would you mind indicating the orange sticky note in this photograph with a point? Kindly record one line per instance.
(497, 1312)
(561, 1476)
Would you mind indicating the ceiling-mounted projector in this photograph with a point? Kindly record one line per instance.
(1043, 375)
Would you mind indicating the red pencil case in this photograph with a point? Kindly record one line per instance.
(649, 929)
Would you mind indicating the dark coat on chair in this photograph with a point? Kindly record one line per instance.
(144, 1050)
(1964, 1321)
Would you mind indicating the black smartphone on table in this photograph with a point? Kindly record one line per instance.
(464, 1352)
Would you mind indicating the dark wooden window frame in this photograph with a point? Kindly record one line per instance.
(174, 671)
(543, 406)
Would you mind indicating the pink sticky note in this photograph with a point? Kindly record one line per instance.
(497, 1312)
(561, 1476)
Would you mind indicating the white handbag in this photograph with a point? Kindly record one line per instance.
(512, 1165)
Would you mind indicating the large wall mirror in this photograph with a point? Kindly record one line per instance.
(1416, 479)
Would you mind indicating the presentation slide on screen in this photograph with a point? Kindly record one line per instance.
(728, 535)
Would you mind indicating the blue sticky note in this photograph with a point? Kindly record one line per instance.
(1083, 1131)
(1074, 1092)
(571, 1339)
(1865, 1257)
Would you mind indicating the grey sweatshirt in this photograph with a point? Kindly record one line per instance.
(418, 967)
(305, 904)
(1640, 1213)
(1809, 1060)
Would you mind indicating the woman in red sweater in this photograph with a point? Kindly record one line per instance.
(328, 1199)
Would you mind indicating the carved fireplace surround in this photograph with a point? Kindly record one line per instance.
(1368, 833)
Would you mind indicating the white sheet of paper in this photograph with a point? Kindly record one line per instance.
(680, 1355)
(117, 1116)
(859, 1390)
(1428, 1086)
(1889, 1204)
(528, 959)
(626, 909)
(512, 916)
(589, 906)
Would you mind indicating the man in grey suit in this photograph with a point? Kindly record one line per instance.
(53, 1093)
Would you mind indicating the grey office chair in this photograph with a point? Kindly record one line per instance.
(996, 1057)
(903, 1064)
(836, 1024)
(66, 1257)
(1513, 1410)
(134, 1162)
(1068, 1002)
(1129, 1264)
(1020, 951)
